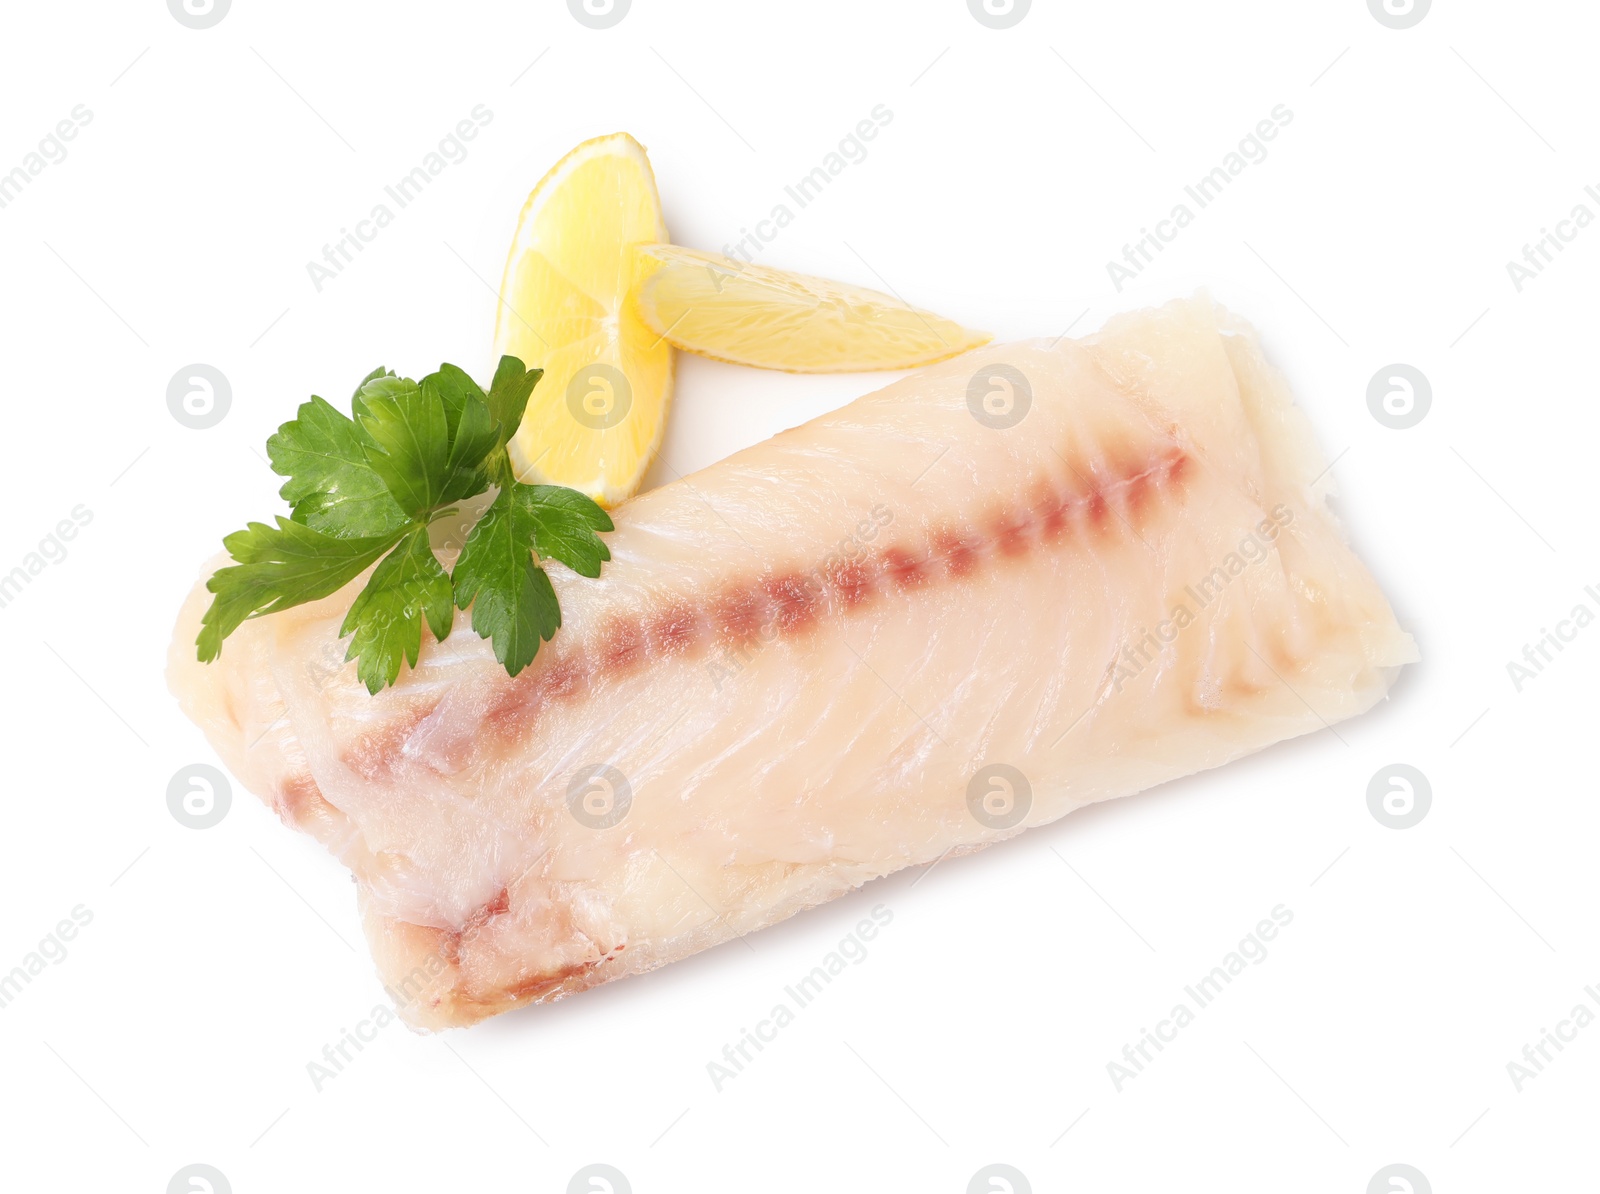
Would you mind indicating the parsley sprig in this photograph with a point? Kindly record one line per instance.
(364, 490)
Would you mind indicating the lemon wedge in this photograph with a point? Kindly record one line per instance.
(751, 314)
(596, 417)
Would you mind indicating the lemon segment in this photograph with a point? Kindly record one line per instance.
(597, 416)
(752, 314)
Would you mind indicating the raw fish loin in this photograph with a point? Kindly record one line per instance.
(998, 590)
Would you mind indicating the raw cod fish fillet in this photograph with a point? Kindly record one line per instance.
(896, 632)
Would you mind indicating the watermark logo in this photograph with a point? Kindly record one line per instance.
(1536, 656)
(999, 14)
(850, 150)
(417, 988)
(1251, 951)
(599, 1179)
(198, 14)
(797, 996)
(999, 1179)
(52, 549)
(599, 396)
(1399, 14)
(598, 14)
(1399, 396)
(1399, 796)
(199, 396)
(999, 396)
(448, 152)
(1251, 150)
(1543, 251)
(51, 151)
(1399, 1179)
(336, 1056)
(1149, 646)
(599, 796)
(199, 796)
(51, 951)
(1549, 1045)
(199, 1179)
(999, 796)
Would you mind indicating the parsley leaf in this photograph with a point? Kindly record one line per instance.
(331, 486)
(498, 575)
(564, 523)
(508, 394)
(364, 489)
(472, 429)
(278, 568)
(513, 603)
(386, 618)
(428, 441)
(410, 444)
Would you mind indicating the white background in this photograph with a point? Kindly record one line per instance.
(217, 163)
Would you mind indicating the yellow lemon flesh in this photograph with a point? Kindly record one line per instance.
(596, 417)
(755, 315)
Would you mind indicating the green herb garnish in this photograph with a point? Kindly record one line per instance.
(363, 490)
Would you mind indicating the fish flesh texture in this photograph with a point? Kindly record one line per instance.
(1009, 585)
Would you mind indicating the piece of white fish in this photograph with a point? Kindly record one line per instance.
(1007, 586)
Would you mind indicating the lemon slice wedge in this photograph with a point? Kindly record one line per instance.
(596, 417)
(751, 314)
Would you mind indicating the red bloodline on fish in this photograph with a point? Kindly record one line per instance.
(793, 603)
